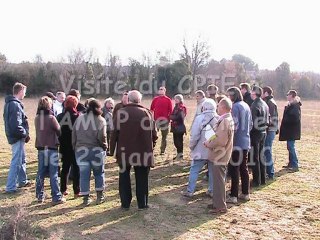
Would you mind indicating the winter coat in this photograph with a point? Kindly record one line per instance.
(290, 128)
(273, 114)
(133, 139)
(15, 120)
(177, 119)
(198, 130)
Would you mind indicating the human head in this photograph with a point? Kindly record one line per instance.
(86, 103)
(209, 105)
(45, 103)
(71, 102)
(212, 91)
(19, 90)
(134, 96)
(224, 106)
(51, 95)
(256, 92)
(234, 94)
(267, 91)
(199, 95)
(291, 95)
(244, 88)
(162, 91)
(178, 98)
(94, 106)
(60, 97)
(124, 98)
(109, 103)
(75, 92)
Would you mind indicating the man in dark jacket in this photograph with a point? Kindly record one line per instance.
(260, 119)
(290, 129)
(272, 129)
(17, 132)
(133, 138)
(245, 91)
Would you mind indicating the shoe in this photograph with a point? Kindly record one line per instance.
(244, 197)
(143, 208)
(187, 194)
(218, 211)
(161, 153)
(293, 169)
(233, 200)
(65, 193)
(100, 197)
(76, 195)
(41, 200)
(12, 192)
(208, 193)
(269, 178)
(286, 166)
(61, 201)
(125, 208)
(86, 200)
(28, 184)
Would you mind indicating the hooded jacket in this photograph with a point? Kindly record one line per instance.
(15, 120)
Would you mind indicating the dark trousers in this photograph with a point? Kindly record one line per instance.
(178, 142)
(69, 160)
(142, 188)
(257, 158)
(108, 140)
(237, 166)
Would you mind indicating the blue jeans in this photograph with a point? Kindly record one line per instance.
(88, 159)
(48, 161)
(268, 153)
(196, 166)
(293, 159)
(18, 167)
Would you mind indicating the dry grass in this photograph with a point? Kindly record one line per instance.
(287, 208)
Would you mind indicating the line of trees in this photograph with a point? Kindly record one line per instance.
(194, 61)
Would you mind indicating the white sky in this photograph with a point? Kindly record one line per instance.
(267, 31)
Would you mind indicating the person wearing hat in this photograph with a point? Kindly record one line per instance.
(290, 129)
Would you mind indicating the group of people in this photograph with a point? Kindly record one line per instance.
(226, 132)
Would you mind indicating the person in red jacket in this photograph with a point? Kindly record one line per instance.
(161, 107)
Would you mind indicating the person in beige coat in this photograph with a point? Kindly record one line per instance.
(220, 148)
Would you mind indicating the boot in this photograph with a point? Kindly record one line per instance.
(100, 197)
(86, 200)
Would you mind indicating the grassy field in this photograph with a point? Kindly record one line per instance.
(286, 208)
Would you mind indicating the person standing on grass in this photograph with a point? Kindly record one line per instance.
(124, 102)
(107, 114)
(220, 149)
(58, 103)
(161, 106)
(241, 115)
(178, 128)
(66, 121)
(260, 119)
(245, 91)
(203, 123)
(133, 139)
(90, 143)
(290, 129)
(17, 133)
(272, 130)
(200, 98)
(47, 132)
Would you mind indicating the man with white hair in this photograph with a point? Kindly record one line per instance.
(133, 139)
(220, 148)
(201, 130)
(58, 103)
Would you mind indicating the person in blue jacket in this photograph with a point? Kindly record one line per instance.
(17, 132)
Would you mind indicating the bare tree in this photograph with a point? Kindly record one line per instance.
(196, 57)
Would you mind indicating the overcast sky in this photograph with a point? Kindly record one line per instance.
(269, 32)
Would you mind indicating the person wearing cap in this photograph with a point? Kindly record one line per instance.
(161, 106)
(273, 129)
(290, 129)
(203, 123)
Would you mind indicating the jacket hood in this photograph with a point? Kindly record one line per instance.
(11, 98)
(207, 116)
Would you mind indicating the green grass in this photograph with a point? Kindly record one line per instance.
(287, 208)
